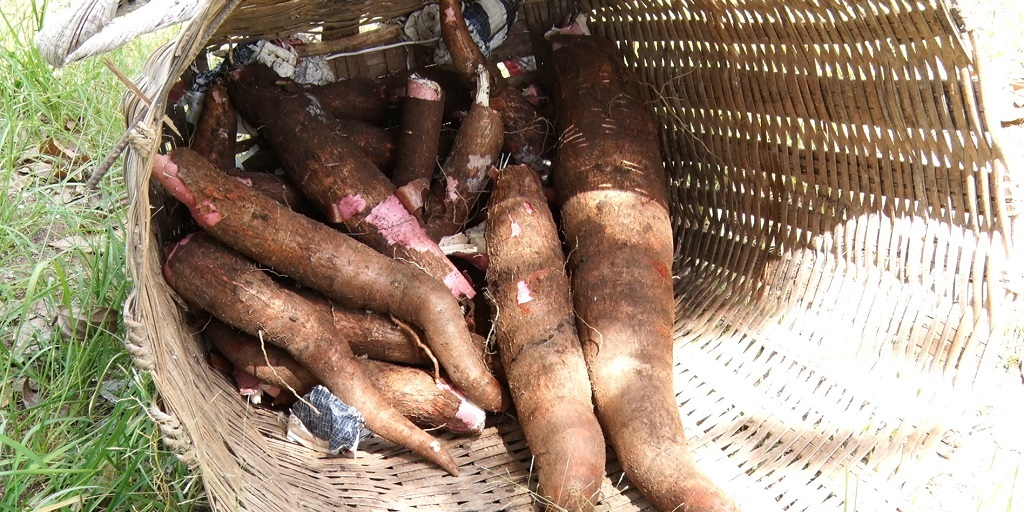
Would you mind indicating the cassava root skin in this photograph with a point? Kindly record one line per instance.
(330, 262)
(278, 188)
(335, 175)
(215, 133)
(540, 350)
(411, 391)
(612, 188)
(420, 135)
(526, 131)
(465, 171)
(228, 286)
(377, 144)
(266, 362)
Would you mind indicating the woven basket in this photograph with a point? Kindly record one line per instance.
(842, 232)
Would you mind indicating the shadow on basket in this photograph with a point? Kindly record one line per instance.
(813, 292)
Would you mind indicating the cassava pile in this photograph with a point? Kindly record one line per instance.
(330, 272)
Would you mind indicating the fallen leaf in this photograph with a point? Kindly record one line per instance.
(69, 150)
(84, 243)
(65, 156)
(113, 390)
(36, 325)
(37, 168)
(29, 392)
(77, 324)
(63, 505)
(31, 154)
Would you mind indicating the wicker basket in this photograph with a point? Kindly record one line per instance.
(843, 238)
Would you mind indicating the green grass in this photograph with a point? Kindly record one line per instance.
(84, 440)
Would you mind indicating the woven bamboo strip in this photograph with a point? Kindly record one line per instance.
(841, 227)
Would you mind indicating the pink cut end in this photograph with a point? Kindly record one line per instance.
(206, 214)
(168, 275)
(423, 89)
(346, 208)
(399, 227)
(247, 383)
(460, 287)
(449, 15)
(165, 171)
(411, 194)
(523, 294)
(469, 418)
(243, 179)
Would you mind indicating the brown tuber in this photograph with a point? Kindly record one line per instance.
(330, 262)
(611, 185)
(422, 115)
(336, 177)
(411, 391)
(215, 133)
(540, 349)
(465, 171)
(229, 287)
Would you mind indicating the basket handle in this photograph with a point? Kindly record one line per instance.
(93, 27)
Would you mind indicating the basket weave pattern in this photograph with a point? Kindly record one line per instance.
(841, 229)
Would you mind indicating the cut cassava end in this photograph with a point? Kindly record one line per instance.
(228, 286)
(612, 188)
(331, 171)
(540, 350)
(465, 171)
(217, 129)
(426, 402)
(411, 391)
(330, 262)
(419, 137)
(378, 100)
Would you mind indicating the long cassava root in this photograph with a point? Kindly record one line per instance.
(413, 392)
(339, 267)
(335, 175)
(540, 349)
(612, 188)
(231, 288)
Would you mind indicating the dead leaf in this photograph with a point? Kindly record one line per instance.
(29, 392)
(68, 504)
(77, 324)
(69, 150)
(31, 154)
(37, 168)
(5, 398)
(113, 390)
(83, 243)
(65, 156)
(37, 325)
